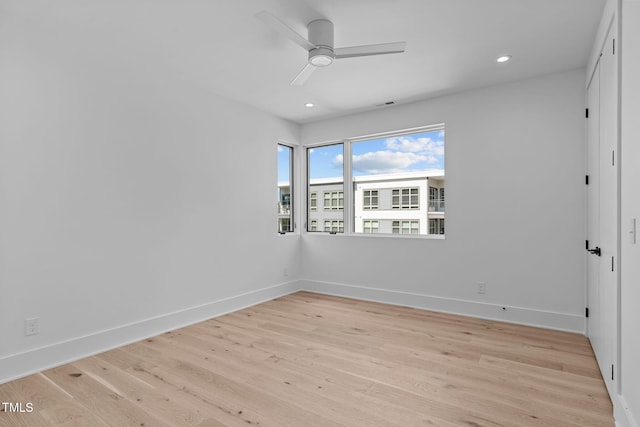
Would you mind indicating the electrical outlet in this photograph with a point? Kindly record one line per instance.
(482, 288)
(32, 326)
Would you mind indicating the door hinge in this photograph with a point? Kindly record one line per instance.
(614, 46)
(586, 180)
(586, 113)
(586, 246)
(612, 372)
(611, 263)
(613, 157)
(586, 312)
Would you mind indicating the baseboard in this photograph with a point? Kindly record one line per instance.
(622, 413)
(32, 361)
(518, 315)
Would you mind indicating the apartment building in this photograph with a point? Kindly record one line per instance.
(397, 203)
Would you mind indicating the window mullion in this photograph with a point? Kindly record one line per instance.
(349, 225)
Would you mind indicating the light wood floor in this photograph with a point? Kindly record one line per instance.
(315, 360)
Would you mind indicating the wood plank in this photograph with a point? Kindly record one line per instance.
(310, 359)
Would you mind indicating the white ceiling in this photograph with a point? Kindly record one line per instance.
(221, 47)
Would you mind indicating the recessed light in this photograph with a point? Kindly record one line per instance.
(503, 58)
(309, 105)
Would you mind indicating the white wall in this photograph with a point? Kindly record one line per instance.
(515, 209)
(630, 208)
(123, 197)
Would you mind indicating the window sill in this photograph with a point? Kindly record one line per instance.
(379, 235)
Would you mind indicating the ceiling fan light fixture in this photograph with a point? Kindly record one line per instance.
(309, 105)
(503, 58)
(320, 60)
(321, 56)
(320, 47)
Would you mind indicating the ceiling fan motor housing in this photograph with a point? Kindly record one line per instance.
(321, 35)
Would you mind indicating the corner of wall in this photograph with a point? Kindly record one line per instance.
(508, 314)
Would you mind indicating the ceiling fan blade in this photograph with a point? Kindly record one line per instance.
(285, 30)
(368, 50)
(303, 75)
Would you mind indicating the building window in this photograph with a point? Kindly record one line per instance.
(313, 201)
(285, 225)
(370, 200)
(334, 226)
(334, 200)
(406, 227)
(436, 199)
(370, 226)
(405, 198)
(313, 226)
(436, 226)
(285, 187)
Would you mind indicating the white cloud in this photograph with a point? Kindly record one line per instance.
(425, 146)
(377, 162)
(441, 134)
(280, 149)
(338, 161)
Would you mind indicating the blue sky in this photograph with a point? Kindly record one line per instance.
(405, 153)
(284, 155)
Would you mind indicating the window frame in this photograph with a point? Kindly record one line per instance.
(409, 226)
(324, 196)
(335, 226)
(436, 225)
(313, 197)
(400, 205)
(371, 227)
(349, 191)
(370, 206)
(292, 188)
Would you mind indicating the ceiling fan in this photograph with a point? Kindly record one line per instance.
(320, 45)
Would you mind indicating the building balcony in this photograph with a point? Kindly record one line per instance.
(284, 209)
(436, 205)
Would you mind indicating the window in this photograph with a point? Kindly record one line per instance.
(370, 226)
(334, 226)
(436, 226)
(405, 198)
(313, 201)
(370, 199)
(406, 227)
(436, 199)
(390, 183)
(334, 200)
(284, 189)
(325, 187)
(433, 197)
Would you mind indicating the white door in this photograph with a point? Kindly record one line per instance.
(602, 208)
(593, 211)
